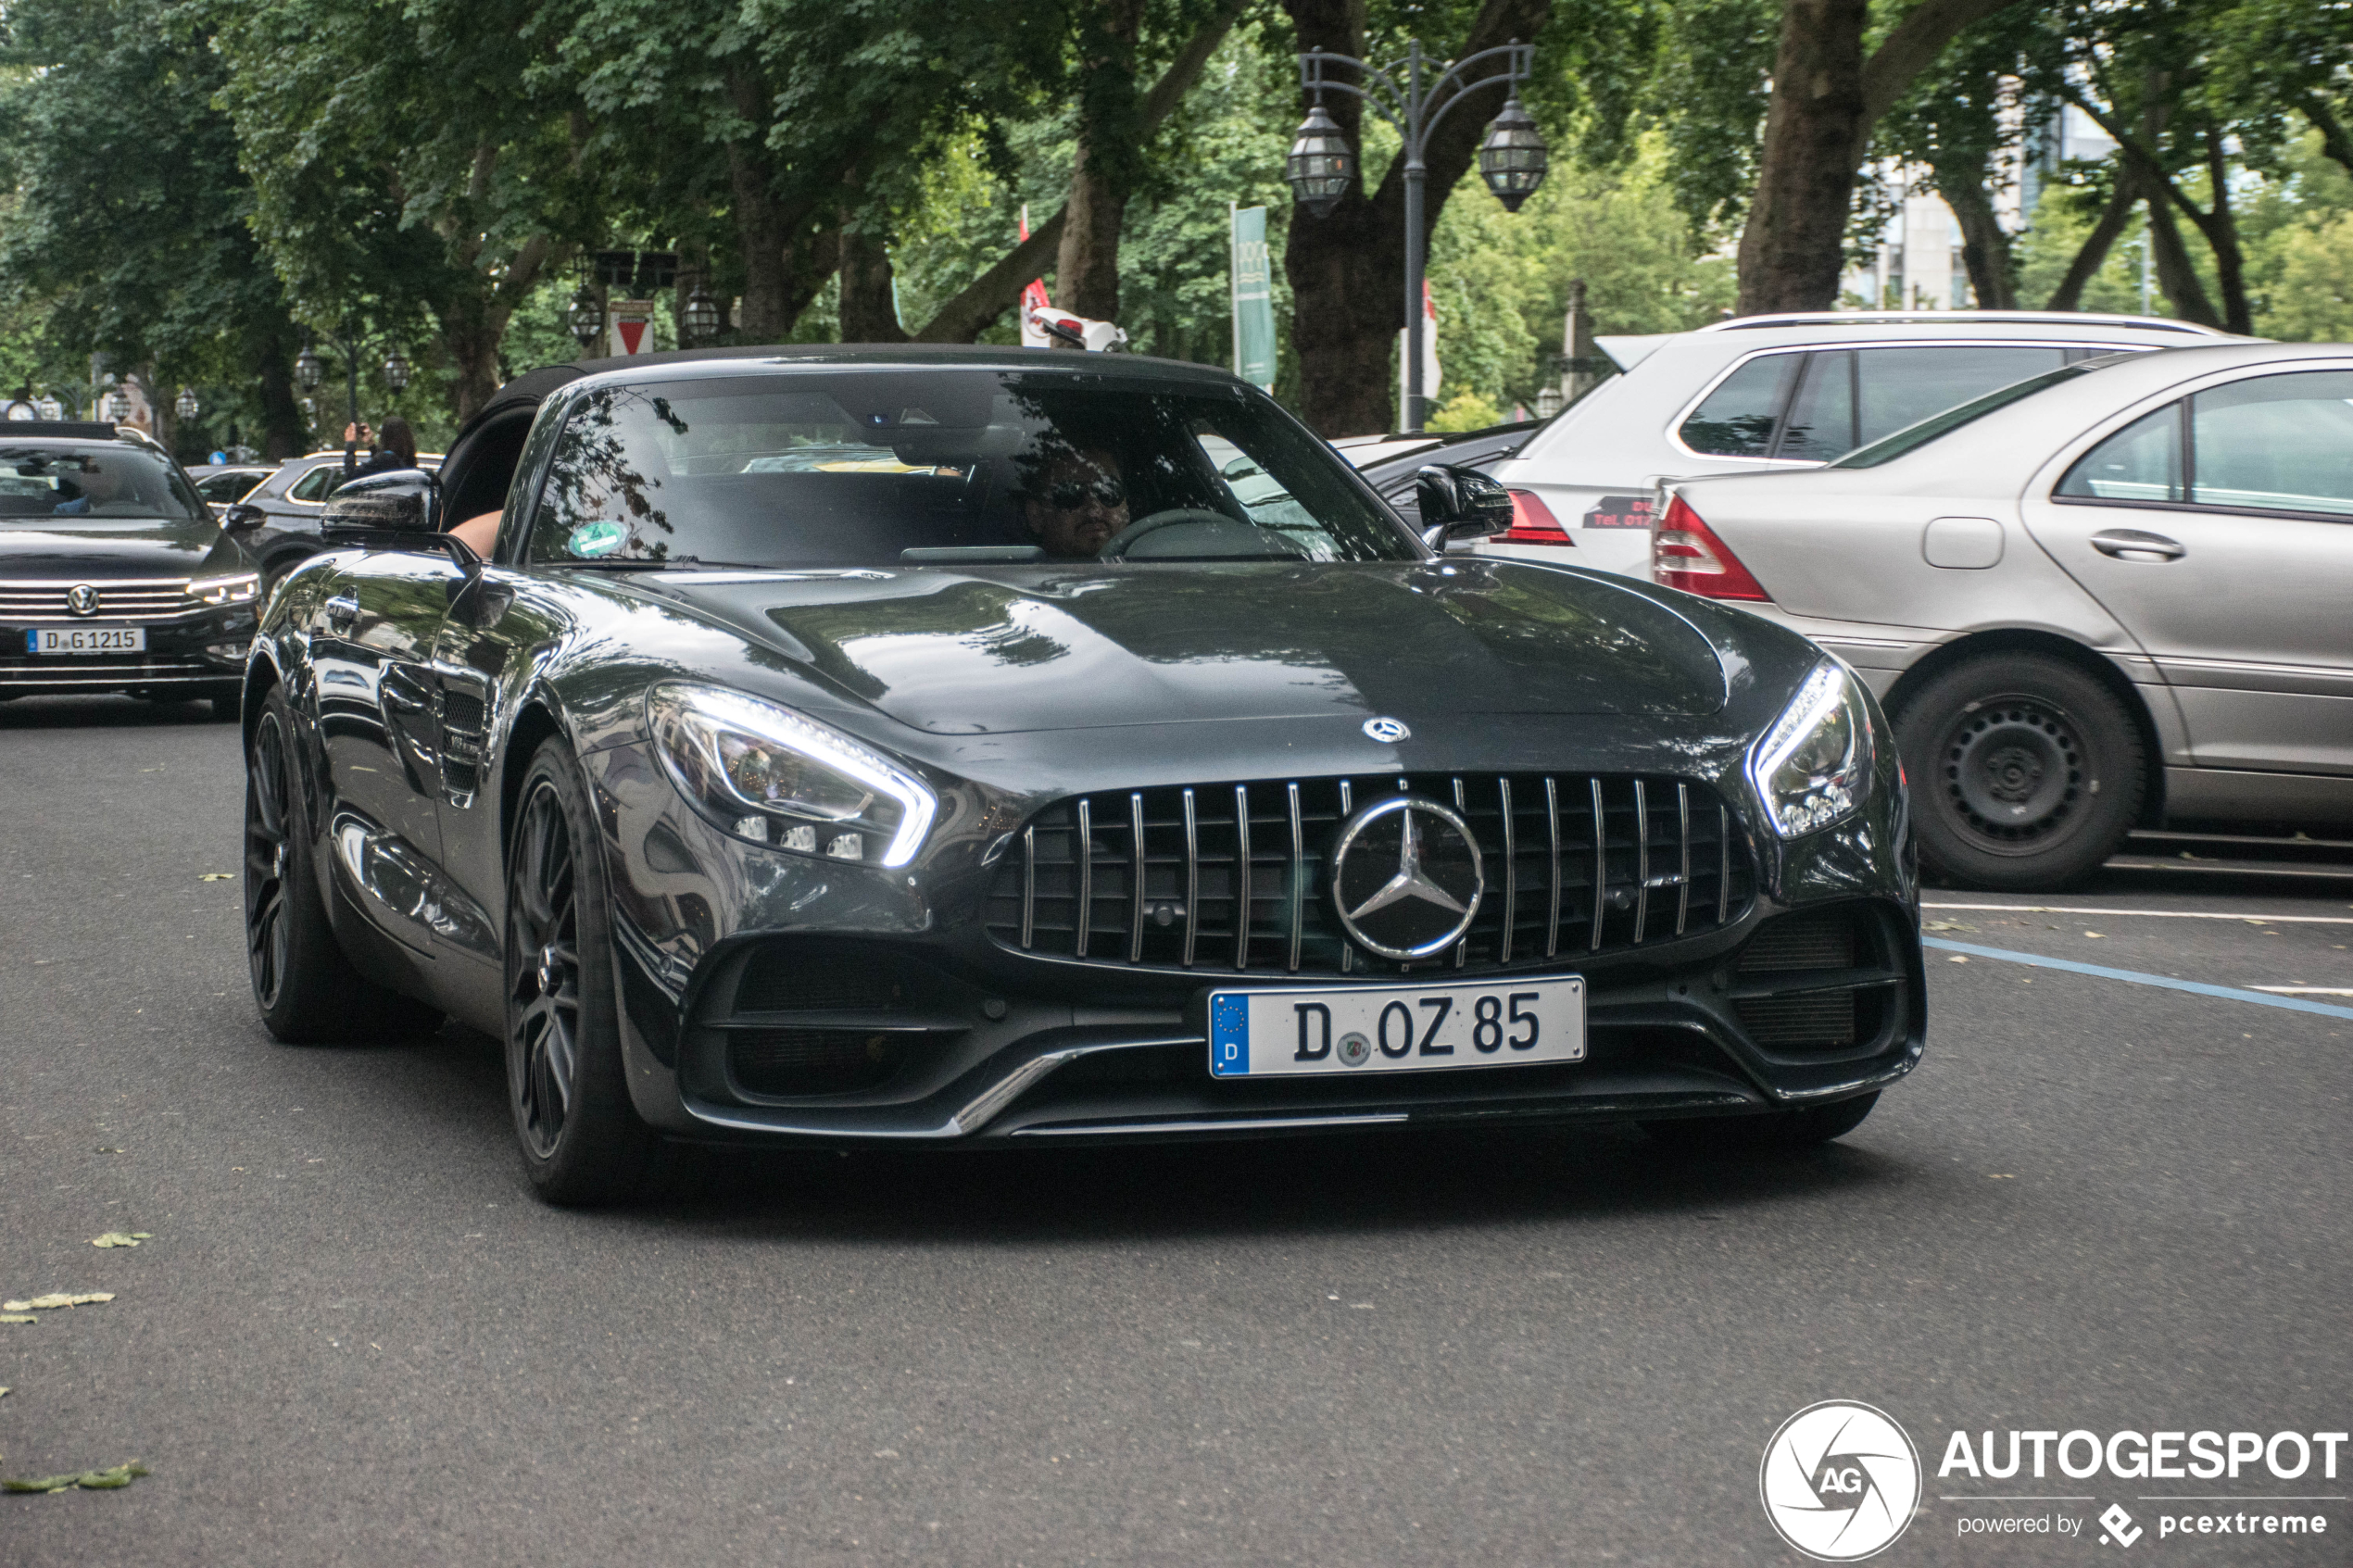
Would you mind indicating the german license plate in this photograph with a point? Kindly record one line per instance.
(1395, 1028)
(85, 639)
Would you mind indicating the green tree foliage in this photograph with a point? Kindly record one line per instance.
(412, 168)
(125, 217)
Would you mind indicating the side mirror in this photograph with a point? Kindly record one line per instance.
(239, 515)
(381, 509)
(1459, 503)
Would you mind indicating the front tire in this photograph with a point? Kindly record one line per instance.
(306, 988)
(582, 1141)
(2027, 771)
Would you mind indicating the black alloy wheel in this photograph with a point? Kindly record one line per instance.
(582, 1141)
(1762, 1133)
(305, 987)
(2026, 772)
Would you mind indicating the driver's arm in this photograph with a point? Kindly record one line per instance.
(479, 533)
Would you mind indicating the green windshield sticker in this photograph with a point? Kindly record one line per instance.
(596, 539)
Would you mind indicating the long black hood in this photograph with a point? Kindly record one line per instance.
(98, 550)
(1000, 650)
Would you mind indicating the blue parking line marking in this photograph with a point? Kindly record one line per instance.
(2228, 993)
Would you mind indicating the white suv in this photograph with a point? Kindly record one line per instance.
(1759, 393)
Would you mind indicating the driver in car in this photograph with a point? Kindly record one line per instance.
(93, 487)
(1074, 501)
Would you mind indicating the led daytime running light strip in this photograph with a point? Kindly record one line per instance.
(1816, 701)
(822, 745)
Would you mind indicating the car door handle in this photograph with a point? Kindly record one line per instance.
(342, 611)
(2131, 544)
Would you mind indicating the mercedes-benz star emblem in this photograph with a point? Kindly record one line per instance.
(83, 599)
(1388, 731)
(1407, 878)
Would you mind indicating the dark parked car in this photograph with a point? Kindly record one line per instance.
(276, 521)
(223, 485)
(932, 747)
(114, 576)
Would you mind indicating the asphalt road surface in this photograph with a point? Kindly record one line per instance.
(354, 1336)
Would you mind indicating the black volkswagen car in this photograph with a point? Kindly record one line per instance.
(932, 747)
(114, 575)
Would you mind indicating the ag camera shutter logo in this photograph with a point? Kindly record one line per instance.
(1840, 1481)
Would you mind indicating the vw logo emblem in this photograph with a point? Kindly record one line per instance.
(1406, 877)
(1388, 731)
(83, 599)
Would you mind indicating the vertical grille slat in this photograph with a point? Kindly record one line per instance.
(1085, 917)
(1192, 879)
(1298, 879)
(1109, 876)
(1600, 864)
(1553, 840)
(1241, 876)
(1136, 899)
(1683, 835)
(1641, 859)
(1028, 886)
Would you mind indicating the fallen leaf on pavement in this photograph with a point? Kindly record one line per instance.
(56, 1298)
(121, 1238)
(90, 1480)
(1949, 925)
(214, 877)
(18, 1317)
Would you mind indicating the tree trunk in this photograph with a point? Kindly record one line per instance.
(1347, 270)
(966, 317)
(2088, 260)
(1826, 98)
(2335, 141)
(869, 309)
(1985, 248)
(760, 241)
(2221, 230)
(1109, 159)
(2174, 273)
(282, 428)
(1795, 239)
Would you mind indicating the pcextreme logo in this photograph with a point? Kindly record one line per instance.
(1840, 1481)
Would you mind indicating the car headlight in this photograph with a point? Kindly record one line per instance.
(770, 777)
(1814, 766)
(239, 588)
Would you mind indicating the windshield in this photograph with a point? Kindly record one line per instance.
(859, 467)
(40, 485)
(1911, 437)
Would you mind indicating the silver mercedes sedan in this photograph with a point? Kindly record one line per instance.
(2115, 594)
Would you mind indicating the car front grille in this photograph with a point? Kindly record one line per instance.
(1235, 877)
(147, 599)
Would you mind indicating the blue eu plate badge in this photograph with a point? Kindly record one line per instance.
(1229, 1037)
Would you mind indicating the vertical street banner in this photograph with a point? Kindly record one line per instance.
(1033, 298)
(1254, 288)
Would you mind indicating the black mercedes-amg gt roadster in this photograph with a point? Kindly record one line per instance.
(968, 746)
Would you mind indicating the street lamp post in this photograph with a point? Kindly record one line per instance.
(1512, 160)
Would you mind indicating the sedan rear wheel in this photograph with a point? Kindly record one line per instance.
(307, 989)
(2026, 772)
(582, 1141)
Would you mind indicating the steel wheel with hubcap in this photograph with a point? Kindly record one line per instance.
(306, 987)
(582, 1141)
(2026, 772)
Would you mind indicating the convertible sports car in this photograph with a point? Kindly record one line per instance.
(934, 745)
